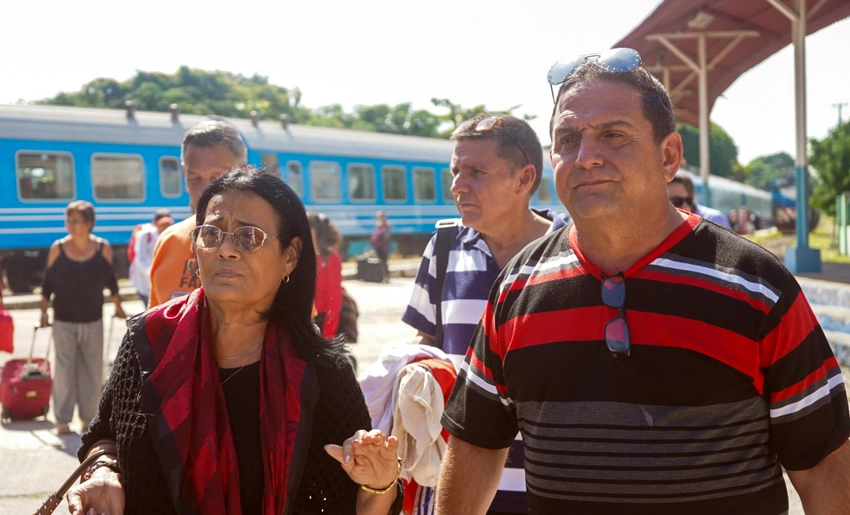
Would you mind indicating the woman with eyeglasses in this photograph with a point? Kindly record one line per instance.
(227, 400)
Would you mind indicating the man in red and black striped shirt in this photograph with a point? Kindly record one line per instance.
(654, 362)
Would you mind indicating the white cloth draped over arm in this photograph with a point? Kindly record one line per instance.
(416, 424)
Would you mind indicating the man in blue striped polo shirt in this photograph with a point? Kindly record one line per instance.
(497, 165)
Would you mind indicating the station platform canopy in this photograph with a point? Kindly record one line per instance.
(737, 35)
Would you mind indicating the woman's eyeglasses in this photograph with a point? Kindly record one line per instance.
(681, 201)
(619, 60)
(486, 125)
(246, 239)
(617, 329)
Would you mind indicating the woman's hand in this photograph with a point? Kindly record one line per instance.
(368, 458)
(101, 494)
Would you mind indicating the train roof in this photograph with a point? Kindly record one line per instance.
(79, 124)
(716, 180)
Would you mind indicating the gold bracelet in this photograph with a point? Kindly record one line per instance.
(387, 489)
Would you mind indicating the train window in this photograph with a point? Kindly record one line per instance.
(446, 180)
(169, 177)
(394, 182)
(424, 185)
(325, 181)
(118, 177)
(294, 177)
(544, 191)
(361, 182)
(270, 163)
(45, 176)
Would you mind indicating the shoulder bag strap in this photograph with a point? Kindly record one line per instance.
(445, 229)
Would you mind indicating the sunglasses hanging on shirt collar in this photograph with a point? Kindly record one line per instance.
(619, 60)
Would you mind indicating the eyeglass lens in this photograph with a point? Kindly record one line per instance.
(618, 60)
(681, 201)
(247, 239)
(617, 329)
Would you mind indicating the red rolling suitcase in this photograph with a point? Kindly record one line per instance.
(25, 385)
(7, 330)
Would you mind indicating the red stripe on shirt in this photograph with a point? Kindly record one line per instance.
(818, 375)
(706, 285)
(587, 324)
(556, 275)
(728, 347)
(578, 324)
(797, 323)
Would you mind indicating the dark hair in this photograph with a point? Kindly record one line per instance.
(293, 305)
(327, 236)
(213, 133)
(657, 107)
(513, 137)
(686, 181)
(86, 210)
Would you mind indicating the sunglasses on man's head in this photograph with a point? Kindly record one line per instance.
(246, 239)
(619, 60)
(486, 125)
(681, 201)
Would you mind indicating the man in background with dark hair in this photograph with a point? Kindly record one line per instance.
(209, 150)
(497, 165)
(681, 193)
(654, 363)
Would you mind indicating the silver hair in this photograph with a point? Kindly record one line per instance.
(213, 133)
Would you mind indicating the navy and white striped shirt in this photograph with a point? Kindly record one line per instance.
(470, 274)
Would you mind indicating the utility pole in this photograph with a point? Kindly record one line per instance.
(838, 106)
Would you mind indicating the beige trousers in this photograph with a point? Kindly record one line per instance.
(78, 370)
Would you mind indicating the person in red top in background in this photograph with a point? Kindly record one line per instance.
(328, 300)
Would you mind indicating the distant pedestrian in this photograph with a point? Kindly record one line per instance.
(681, 193)
(79, 267)
(210, 149)
(143, 243)
(328, 299)
(381, 241)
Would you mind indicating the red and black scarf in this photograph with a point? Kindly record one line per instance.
(185, 380)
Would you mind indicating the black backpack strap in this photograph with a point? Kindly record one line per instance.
(445, 229)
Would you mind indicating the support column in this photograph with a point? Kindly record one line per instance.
(704, 124)
(801, 258)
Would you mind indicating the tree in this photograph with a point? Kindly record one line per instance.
(234, 95)
(764, 169)
(830, 159)
(723, 153)
(197, 92)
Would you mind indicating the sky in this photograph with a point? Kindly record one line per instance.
(491, 52)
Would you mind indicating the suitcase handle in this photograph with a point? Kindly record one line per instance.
(35, 329)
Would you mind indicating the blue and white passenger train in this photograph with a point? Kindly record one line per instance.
(127, 164)
(727, 195)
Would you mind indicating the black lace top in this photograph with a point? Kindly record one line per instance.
(324, 489)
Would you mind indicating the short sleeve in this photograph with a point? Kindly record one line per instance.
(421, 312)
(803, 384)
(480, 410)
